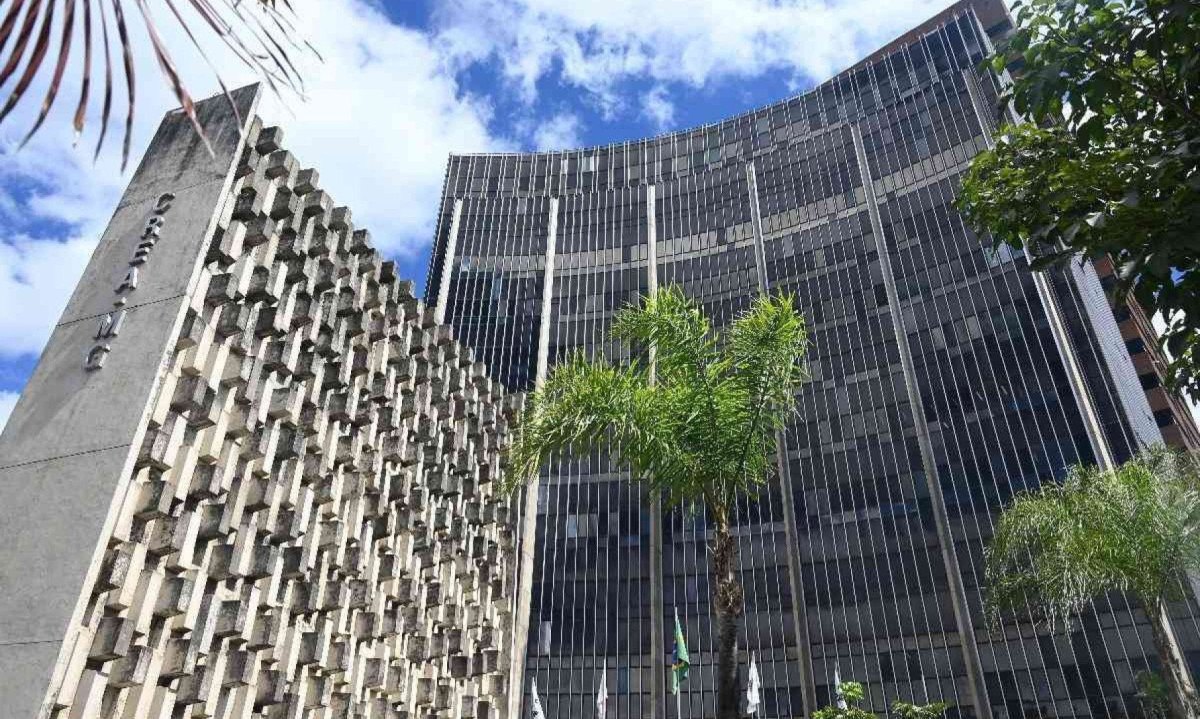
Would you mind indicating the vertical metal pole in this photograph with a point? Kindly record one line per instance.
(657, 700)
(439, 312)
(808, 696)
(962, 613)
(516, 684)
(760, 257)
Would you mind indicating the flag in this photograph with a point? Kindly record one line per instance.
(679, 660)
(753, 685)
(602, 695)
(535, 702)
(837, 688)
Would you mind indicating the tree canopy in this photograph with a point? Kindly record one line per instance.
(850, 699)
(1107, 158)
(1135, 529)
(700, 425)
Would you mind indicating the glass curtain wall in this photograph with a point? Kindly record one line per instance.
(937, 392)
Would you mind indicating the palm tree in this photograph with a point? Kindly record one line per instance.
(696, 419)
(259, 35)
(1134, 529)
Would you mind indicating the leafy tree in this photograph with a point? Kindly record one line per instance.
(1153, 694)
(259, 34)
(1134, 529)
(850, 698)
(848, 706)
(697, 423)
(1108, 161)
(904, 710)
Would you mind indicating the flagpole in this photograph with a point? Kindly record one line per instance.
(679, 665)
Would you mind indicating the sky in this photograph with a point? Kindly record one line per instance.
(400, 84)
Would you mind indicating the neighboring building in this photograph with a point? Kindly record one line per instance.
(1171, 412)
(946, 377)
(249, 476)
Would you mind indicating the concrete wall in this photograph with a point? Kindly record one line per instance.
(258, 478)
(67, 448)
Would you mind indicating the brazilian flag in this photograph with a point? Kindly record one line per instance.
(680, 663)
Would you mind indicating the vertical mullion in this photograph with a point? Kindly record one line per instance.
(966, 631)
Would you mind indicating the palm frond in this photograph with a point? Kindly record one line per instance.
(9, 22)
(579, 405)
(1133, 529)
(85, 83)
(680, 333)
(24, 35)
(253, 34)
(64, 52)
(704, 428)
(40, 46)
(766, 346)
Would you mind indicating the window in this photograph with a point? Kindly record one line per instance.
(913, 659)
(1135, 345)
(999, 255)
(544, 630)
(887, 672)
(1049, 650)
(1149, 380)
(581, 525)
(1164, 418)
(973, 329)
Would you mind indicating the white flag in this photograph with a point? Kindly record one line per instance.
(602, 695)
(837, 688)
(535, 702)
(753, 686)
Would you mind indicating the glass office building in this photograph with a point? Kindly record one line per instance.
(945, 377)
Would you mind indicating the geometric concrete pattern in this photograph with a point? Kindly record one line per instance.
(309, 528)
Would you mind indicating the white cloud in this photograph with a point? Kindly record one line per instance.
(560, 132)
(8, 400)
(39, 268)
(386, 107)
(657, 106)
(596, 45)
(383, 112)
(36, 279)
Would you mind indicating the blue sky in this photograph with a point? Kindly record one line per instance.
(405, 82)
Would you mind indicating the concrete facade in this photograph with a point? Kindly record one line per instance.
(250, 475)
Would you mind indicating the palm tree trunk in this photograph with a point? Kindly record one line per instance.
(1184, 702)
(727, 597)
